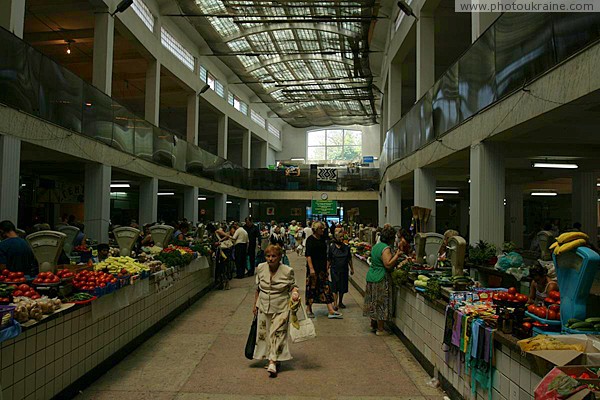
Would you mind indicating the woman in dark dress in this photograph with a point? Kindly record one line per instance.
(339, 259)
(318, 288)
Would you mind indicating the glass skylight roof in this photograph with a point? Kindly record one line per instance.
(308, 60)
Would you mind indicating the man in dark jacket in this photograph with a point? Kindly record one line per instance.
(15, 253)
(253, 235)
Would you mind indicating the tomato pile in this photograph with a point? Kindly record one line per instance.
(46, 277)
(26, 291)
(552, 312)
(511, 296)
(12, 277)
(90, 280)
(65, 274)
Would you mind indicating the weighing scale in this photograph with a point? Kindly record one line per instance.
(71, 232)
(545, 239)
(46, 246)
(126, 237)
(455, 253)
(428, 247)
(161, 234)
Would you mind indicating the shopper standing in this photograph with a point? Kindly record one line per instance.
(275, 287)
(240, 239)
(378, 297)
(318, 288)
(339, 261)
(15, 253)
(253, 235)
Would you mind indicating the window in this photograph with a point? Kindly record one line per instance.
(334, 144)
(210, 79)
(219, 89)
(176, 48)
(257, 118)
(144, 13)
(274, 131)
(237, 103)
(203, 73)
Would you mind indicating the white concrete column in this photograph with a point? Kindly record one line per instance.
(223, 135)
(104, 32)
(220, 207)
(152, 96)
(514, 208)
(393, 201)
(394, 94)
(148, 200)
(381, 208)
(486, 220)
(193, 105)
(97, 201)
(190, 204)
(585, 202)
(480, 22)
(12, 16)
(425, 54)
(425, 193)
(10, 165)
(247, 149)
(244, 209)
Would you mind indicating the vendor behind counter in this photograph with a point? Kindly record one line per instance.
(15, 253)
(541, 284)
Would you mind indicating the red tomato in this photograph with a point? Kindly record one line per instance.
(6, 272)
(554, 307)
(20, 274)
(103, 285)
(29, 293)
(554, 295)
(35, 297)
(551, 314)
(512, 291)
(47, 280)
(584, 375)
(510, 297)
(17, 293)
(531, 308)
(23, 288)
(541, 312)
(527, 326)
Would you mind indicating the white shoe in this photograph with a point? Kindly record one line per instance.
(272, 370)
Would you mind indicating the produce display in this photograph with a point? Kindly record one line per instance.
(569, 241)
(24, 290)
(65, 274)
(12, 277)
(27, 308)
(90, 280)
(121, 265)
(46, 278)
(6, 292)
(590, 324)
(545, 342)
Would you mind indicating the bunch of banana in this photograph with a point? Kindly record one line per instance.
(117, 264)
(569, 241)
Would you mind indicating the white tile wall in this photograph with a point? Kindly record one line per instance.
(44, 360)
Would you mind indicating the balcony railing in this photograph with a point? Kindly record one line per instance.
(35, 84)
(512, 52)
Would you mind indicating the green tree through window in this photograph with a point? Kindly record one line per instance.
(334, 145)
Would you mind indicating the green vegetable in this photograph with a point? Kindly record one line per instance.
(481, 253)
(581, 325)
(399, 277)
(434, 290)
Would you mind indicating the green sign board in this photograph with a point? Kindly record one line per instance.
(324, 207)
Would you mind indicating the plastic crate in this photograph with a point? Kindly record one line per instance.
(123, 281)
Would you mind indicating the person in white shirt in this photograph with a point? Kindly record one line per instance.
(240, 238)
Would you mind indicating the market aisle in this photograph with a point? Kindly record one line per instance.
(200, 356)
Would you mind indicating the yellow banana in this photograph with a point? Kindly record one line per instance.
(569, 246)
(553, 245)
(570, 236)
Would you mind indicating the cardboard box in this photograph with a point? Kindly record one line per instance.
(542, 361)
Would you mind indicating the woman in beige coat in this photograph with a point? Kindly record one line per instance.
(275, 285)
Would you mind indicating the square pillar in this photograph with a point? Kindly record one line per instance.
(425, 54)
(244, 209)
(152, 95)
(382, 211)
(97, 201)
(190, 204)
(148, 200)
(585, 203)
(487, 194)
(247, 149)
(393, 201)
(220, 207)
(480, 22)
(223, 136)
(12, 17)
(514, 208)
(425, 183)
(10, 165)
(104, 32)
(394, 110)
(193, 105)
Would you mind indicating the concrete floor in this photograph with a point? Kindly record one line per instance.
(201, 356)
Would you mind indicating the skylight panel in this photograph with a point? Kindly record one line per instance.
(224, 26)
(240, 45)
(211, 6)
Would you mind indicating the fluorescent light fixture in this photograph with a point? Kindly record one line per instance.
(229, 202)
(201, 198)
(439, 200)
(544, 194)
(598, 184)
(23, 184)
(120, 185)
(249, 205)
(165, 194)
(118, 193)
(296, 159)
(446, 192)
(469, 180)
(554, 165)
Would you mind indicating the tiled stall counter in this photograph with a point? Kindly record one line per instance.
(420, 324)
(51, 359)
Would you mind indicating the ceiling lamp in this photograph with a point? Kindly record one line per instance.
(201, 198)
(122, 6)
(446, 192)
(229, 202)
(548, 194)
(439, 200)
(165, 194)
(69, 41)
(554, 165)
(120, 185)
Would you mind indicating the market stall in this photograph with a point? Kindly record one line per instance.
(67, 325)
(474, 339)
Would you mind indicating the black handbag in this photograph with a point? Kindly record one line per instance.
(251, 342)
